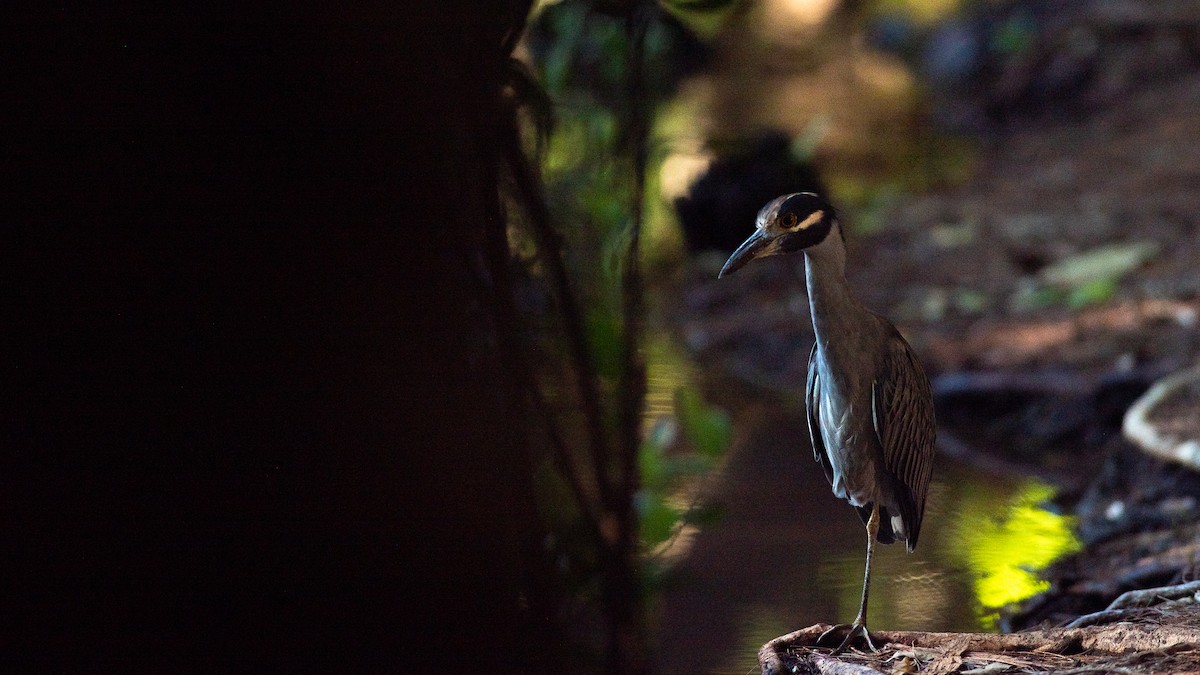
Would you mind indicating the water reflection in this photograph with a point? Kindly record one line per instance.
(667, 369)
(1005, 540)
(987, 537)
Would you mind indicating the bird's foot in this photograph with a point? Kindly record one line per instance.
(853, 630)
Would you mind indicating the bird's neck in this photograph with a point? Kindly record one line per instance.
(837, 315)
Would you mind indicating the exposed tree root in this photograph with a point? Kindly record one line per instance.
(1130, 603)
(1140, 427)
(1118, 647)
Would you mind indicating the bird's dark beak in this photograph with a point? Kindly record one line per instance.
(749, 250)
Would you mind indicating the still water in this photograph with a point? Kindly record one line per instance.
(788, 554)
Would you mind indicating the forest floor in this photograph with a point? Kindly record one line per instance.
(1044, 296)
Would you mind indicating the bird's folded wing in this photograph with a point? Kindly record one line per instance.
(902, 412)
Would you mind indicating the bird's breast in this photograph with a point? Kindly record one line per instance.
(851, 445)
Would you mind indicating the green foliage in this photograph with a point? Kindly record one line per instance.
(593, 374)
(652, 456)
(1102, 263)
(604, 336)
(703, 17)
(658, 519)
(1031, 296)
(668, 472)
(875, 203)
(1092, 293)
(581, 46)
(970, 302)
(1083, 279)
(708, 429)
(1016, 35)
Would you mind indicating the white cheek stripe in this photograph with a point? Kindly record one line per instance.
(813, 217)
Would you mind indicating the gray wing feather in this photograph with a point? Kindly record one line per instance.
(902, 412)
(812, 398)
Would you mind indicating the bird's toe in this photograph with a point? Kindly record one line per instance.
(854, 632)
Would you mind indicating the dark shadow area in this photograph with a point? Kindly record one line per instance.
(244, 347)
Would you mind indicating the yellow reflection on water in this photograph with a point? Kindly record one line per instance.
(667, 369)
(1004, 546)
(983, 544)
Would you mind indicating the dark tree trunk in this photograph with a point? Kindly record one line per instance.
(262, 416)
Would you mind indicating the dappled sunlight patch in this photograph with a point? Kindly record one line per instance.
(1004, 546)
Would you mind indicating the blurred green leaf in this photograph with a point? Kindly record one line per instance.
(651, 465)
(703, 17)
(954, 235)
(604, 336)
(1047, 296)
(934, 302)
(658, 520)
(708, 429)
(1031, 295)
(661, 472)
(615, 249)
(970, 301)
(1102, 263)
(1093, 292)
(652, 461)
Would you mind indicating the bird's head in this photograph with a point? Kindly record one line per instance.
(785, 225)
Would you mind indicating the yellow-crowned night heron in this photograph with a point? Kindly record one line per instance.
(870, 409)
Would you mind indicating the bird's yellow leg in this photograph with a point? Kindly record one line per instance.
(859, 627)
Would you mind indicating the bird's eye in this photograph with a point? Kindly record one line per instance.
(789, 220)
